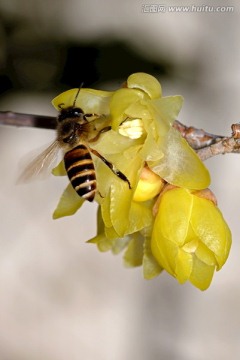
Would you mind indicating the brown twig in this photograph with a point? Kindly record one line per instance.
(227, 145)
(208, 145)
(28, 120)
(197, 138)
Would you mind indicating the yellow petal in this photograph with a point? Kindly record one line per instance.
(117, 205)
(138, 109)
(112, 142)
(102, 242)
(145, 82)
(119, 244)
(210, 226)
(111, 233)
(202, 274)
(173, 216)
(68, 204)
(89, 100)
(140, 216)
(165, 109)
(151, 149)
(204, 254)
(180, 165)
(134, 254)
(59, 170)
(164, 251)
(184, 265)
(120, 101)
(170, 230)
(151, 267)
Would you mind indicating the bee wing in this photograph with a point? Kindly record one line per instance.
(41, 165)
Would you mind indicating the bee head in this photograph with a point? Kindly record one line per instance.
(70, 113)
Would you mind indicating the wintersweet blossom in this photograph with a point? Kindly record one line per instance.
(145, 147)
(190, 238)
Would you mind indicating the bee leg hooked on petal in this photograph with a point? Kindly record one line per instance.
(112, 167)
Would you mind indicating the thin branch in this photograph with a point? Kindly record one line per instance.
(17, 119)
(197, 138)
(225, 146)
(205, 144)
(208, 145)
(228, 145)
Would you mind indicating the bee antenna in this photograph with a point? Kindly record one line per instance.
(80, 87)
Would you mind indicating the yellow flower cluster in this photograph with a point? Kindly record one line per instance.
(166, 220)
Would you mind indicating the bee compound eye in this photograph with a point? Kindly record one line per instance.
(70, 113)
(76, 112)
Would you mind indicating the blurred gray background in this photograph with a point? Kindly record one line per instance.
(59, 297)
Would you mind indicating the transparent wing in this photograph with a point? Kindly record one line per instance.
(42, 165)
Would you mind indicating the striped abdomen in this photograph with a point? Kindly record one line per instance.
(81, 172)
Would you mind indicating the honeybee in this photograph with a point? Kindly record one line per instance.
(75, 131)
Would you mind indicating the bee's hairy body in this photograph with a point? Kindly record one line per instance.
(74, 132)
(81, 172)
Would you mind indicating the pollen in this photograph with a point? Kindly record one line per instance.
(132, 128)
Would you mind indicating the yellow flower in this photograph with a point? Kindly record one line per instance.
(156, 145)
(183, 231)
(190, 238)
(141, 134)
(161, 146)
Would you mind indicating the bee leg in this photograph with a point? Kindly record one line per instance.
(100, 194)
(105, 129)
(112, 167)
(60, 106)
(89, 115)
(125, 120)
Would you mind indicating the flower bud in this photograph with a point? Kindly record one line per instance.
(149, 185)
(190, 238)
